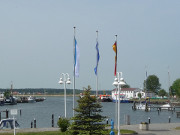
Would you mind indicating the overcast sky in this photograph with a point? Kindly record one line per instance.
(36, 41)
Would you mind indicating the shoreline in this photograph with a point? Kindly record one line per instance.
(57, 95)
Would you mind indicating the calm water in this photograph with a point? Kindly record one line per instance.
(42, 112)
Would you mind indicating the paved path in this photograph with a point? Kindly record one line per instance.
(156, 129)
(29, 130)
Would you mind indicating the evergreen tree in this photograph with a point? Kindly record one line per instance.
(87, 120)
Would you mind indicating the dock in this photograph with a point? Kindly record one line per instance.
(178, 114)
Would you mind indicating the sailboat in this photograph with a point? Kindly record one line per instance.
(168, 105)
(145, 106)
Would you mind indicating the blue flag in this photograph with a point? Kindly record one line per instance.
(98, 56)
(76, 58)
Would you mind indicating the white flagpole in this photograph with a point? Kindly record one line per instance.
(74, 74)
(116, 108)
(116, 51)
(97, 69)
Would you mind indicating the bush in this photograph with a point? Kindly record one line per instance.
(63, 124)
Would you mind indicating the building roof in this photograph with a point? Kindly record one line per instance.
(127, 89)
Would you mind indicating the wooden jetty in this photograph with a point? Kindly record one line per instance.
(164, 108)
(5, 111)
(178, 114)
(159, 108)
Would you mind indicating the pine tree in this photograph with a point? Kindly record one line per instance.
(87, 120)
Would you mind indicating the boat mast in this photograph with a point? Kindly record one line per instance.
(169, 84)
(145, 86)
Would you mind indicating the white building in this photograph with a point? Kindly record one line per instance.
(1, 96)
(128, 93)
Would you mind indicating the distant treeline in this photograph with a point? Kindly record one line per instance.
(51, 91)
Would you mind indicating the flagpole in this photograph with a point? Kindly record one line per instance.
(97, 68)
(116, 53)
(116, 108)
(74, 74)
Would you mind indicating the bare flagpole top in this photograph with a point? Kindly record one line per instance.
(97, 35)
(116, 38)
(74, 31)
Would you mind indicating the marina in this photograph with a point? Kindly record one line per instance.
(42, 112)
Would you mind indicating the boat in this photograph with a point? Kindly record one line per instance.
(141, 106)
(39, 99)
(123, 98)
(10, 101)
(105, 98)
(145, 106)
(8, 123)
(166, 107)
(1, 99)
(31, 99)
(22, 100)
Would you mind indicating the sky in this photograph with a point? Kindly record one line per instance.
(36, 41)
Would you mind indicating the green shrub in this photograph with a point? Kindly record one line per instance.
(63, 124)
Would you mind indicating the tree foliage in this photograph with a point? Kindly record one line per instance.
(152, 84)
(125, 86)
(63, 123)
(87, 120)
(162, 93)
(172, 92)
(7, 94)
(139, 95)
(176, 87)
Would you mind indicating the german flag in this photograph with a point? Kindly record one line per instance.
(115, 50)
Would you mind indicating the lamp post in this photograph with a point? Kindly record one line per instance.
(66, 80)
(119, 81)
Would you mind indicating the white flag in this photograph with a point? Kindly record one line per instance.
(76, 55)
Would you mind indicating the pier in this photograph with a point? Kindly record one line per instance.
(178, 114)
(6, 112)
(164, 108)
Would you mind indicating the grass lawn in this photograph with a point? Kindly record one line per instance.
(177, 128)
(123, 131)
(38, 133)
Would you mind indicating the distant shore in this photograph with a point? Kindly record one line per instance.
(152, 101)
(48, 95)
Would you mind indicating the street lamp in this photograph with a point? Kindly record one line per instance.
(66, 80)
(119, 81)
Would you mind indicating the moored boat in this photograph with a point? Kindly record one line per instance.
(105, 98)
(10, 101)
(122, 98)
(166, 107)
(143, 107)
(31, 99)
(1, 99)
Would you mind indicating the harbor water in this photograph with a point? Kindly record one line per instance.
(42, 112)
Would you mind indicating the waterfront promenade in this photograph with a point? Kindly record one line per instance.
(154, 129)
